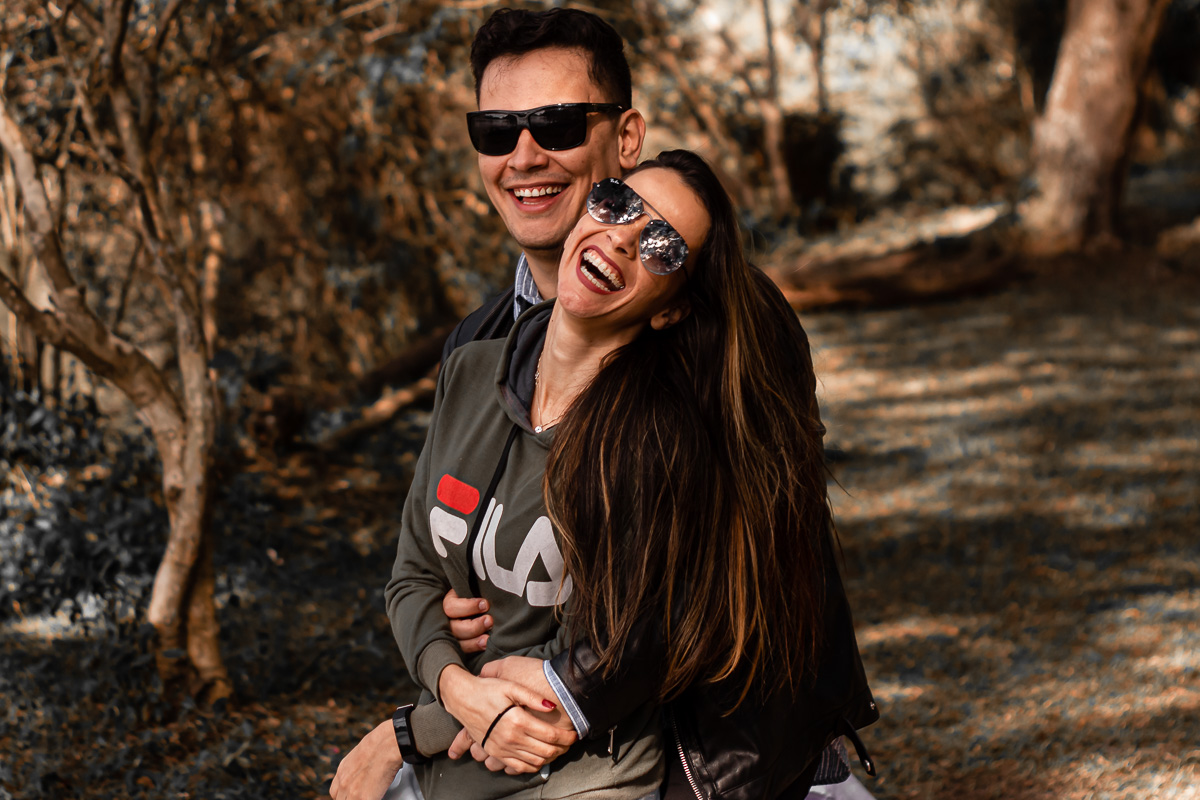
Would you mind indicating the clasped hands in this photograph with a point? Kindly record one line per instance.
(524, 731)
(525, 738)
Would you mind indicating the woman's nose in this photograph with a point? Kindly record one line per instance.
(624, 238)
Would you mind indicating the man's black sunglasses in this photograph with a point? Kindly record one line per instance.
(557, 127)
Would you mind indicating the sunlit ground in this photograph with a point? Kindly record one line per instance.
(1021, 524)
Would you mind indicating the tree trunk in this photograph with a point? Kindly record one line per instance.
(184, 424)
(1082, 138)
(772, 117)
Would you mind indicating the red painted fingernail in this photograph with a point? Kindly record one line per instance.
(549, 706)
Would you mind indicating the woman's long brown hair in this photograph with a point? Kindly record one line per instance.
(688, 478)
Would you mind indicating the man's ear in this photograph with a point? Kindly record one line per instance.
(631, 134)
(671, 315)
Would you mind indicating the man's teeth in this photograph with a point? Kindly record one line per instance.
(601, 266)
(540, 191)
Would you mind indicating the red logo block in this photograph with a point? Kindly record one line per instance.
(460, 496)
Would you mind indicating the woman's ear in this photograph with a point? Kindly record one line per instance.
(631, 133)
(671, 315)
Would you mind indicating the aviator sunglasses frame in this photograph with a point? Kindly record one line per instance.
(661, 248)
(562, 126)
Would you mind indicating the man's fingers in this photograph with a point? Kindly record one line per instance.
(471, 633)
(455, 607)
(461, 744)
(333, 788)
(508, 765)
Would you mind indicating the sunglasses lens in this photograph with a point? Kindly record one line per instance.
(662, 249)
(493, 134)
(613, 203)
(558, 128)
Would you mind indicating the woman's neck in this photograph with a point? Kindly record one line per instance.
(570, 358)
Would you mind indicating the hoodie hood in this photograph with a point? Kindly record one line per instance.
(518, 365)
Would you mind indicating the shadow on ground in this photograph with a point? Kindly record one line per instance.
(1022, 494)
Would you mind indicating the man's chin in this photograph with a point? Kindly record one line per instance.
(543, 246)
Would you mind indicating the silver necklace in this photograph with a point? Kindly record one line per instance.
(537, 380)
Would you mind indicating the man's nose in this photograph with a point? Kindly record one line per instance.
(528, 154)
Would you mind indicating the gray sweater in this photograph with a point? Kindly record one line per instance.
(515, 561)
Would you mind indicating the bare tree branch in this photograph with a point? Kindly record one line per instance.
(116, 23)
(44, 236)
(86, 337)
(162, 26)
(126, 282)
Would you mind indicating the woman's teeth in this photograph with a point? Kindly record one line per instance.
(607, 279)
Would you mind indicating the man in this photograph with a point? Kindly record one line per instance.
(524, 61)
(538, 166)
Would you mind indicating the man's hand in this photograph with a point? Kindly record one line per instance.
(369, 769)
(469, 621)
(521, 739)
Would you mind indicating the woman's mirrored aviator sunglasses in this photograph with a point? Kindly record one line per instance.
(660, 246)
(557, 127)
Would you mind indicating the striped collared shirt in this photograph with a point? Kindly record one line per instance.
(527, 293)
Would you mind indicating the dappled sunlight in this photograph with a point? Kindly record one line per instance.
(1017, 498)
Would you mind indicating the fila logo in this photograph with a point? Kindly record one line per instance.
(539, 543)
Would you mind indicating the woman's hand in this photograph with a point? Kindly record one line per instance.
(369, 769)
(522, 740)
(526, 671)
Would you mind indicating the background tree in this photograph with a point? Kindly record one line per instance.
(1082, 140)
(123, 132)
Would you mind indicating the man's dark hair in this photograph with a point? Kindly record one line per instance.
(515, 32)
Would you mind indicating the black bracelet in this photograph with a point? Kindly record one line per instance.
(492, 727)
(402, 722)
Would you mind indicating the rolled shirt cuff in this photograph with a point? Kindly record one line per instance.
(567, 701)
(436, 656)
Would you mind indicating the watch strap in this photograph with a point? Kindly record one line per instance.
(402, 723)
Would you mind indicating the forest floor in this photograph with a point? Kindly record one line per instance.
(1019, 511)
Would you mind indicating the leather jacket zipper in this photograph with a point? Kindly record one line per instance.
(687, 768)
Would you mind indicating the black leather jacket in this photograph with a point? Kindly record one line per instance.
(768, 746)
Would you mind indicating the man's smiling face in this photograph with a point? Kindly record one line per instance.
(540, 193)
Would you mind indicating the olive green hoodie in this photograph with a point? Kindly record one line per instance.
(498, 545)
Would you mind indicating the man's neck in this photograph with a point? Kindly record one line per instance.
(544, 268)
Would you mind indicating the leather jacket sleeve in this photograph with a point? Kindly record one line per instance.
(606, 700)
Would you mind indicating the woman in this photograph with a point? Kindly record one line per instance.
(677, 426)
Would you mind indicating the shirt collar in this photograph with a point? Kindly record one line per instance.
(526, 294)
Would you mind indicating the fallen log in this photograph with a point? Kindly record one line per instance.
(378, 413)
(956, 252)
(408, 365)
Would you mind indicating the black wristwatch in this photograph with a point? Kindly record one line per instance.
(401, 721)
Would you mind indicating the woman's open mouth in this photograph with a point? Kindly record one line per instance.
(599, 273)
